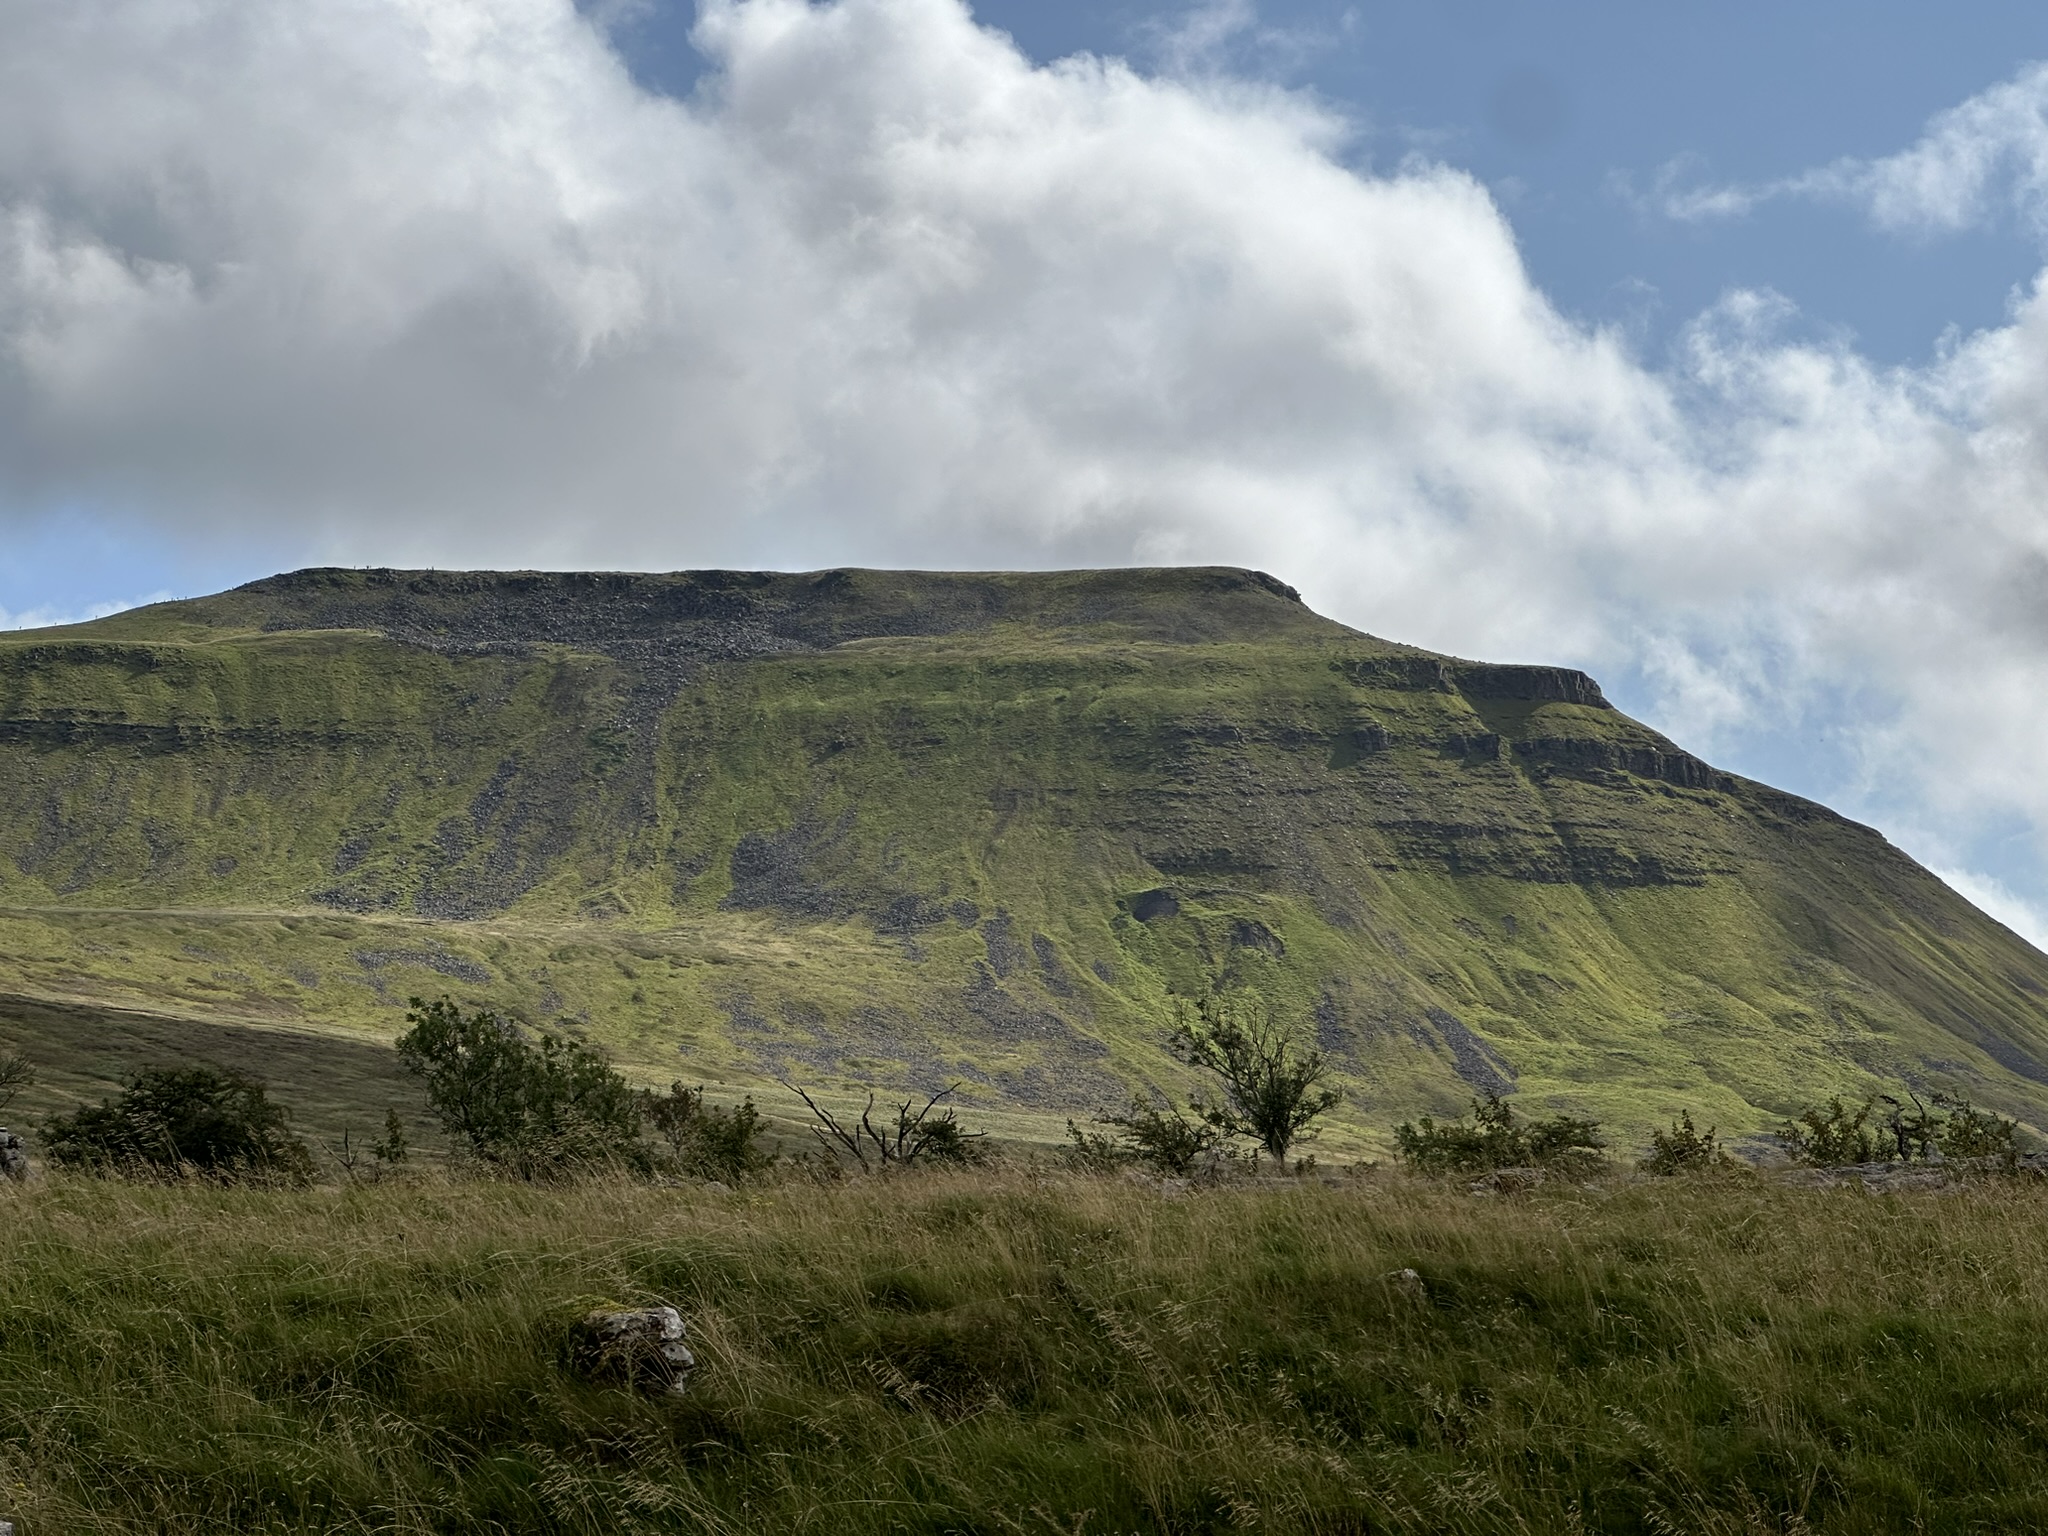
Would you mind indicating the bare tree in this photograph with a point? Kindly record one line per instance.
(916, 1135)
(15, 1074)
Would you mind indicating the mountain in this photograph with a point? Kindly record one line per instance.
(900, 828)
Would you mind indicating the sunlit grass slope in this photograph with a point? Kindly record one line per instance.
(1008, 1354)
(901, 828)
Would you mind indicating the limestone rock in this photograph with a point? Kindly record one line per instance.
(642, 1347)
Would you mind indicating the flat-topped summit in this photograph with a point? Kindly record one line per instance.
(812, 609)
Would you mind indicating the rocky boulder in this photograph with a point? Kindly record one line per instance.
(641, 1347)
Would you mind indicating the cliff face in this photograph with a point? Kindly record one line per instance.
(893, 827)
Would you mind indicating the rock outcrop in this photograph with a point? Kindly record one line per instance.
(640, 1347)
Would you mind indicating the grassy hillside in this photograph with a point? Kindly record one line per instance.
(900, 828)
(1006, 1354)
(334, 1082)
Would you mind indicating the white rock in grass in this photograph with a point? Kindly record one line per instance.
(642, 1347)
(1407, 1284)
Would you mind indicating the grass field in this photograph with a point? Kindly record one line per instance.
(1028, 1351)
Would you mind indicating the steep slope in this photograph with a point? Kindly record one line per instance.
(896, 827)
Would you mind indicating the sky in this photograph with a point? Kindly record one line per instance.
(1702, 347)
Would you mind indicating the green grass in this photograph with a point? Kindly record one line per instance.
(1018, 1351)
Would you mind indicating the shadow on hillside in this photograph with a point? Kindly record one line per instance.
(329, 1083)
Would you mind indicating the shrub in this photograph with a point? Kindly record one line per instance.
(1970, 1132)
(1833, 1135)
(917, 1135)
(394, 1148)
(202, 1119)
(706, 1142)
(1153, 1133)
(390, 1151)
(1684, 1149)
(1495, 1139)
(1272, 1084)
(531, 1110)
(1907, 1134)
(1093, 1152)
(1830, 1136)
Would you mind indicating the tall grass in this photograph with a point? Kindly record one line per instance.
(1008, 1352)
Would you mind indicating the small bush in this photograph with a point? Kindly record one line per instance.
(946, 1141)
(201, 1119)
(531, 1110)
(1153, 1133)
(1684, 1149)
(1906, 1135)
(1831, 1135)
(918, 1135)
(1495, 1139)
(394, 1148)
(706, 1142)
(1970, 1132)
(1094, 1152)
(1272, 1083)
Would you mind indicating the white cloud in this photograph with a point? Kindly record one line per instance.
(434, 281)
(1974, 163)
(1209, 37)
(1991, 896)
(46, 616)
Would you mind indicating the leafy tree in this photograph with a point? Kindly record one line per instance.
(534, 1110)
(1093, 1152)
(204, 1119)
(704, 1141)
(1271, 1082)
(1496, 1139)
